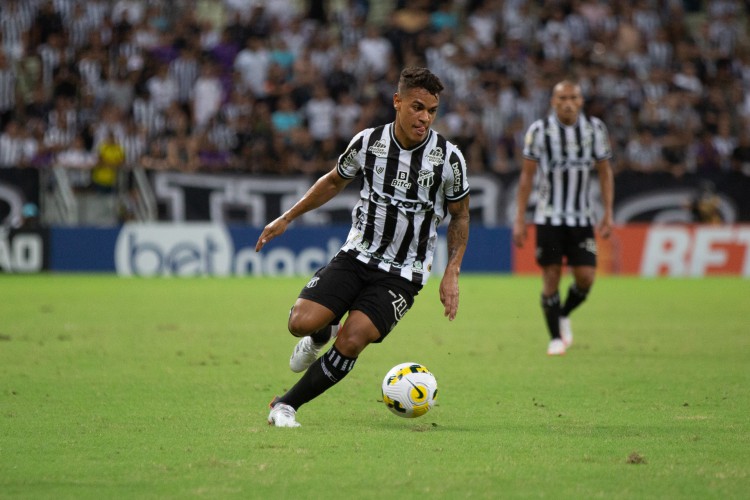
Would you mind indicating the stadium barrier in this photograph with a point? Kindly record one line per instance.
(209, 249)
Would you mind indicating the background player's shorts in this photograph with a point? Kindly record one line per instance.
(576, 244)
(346, 284)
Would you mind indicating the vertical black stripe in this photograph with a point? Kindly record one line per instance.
(416, 162)
(369, 232)
(563, 166)
(577, 205)
(391, 216)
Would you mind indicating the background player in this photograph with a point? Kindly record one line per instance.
(564, 149)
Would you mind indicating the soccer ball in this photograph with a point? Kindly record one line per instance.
(409, 390)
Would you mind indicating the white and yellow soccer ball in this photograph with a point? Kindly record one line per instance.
(409, 390)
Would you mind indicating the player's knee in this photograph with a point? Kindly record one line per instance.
(584, 283)
(351, 342)
(300, 324)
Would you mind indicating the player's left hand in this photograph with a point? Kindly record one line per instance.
(449, 295)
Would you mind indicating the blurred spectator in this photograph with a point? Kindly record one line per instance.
(705, 205)
(286, 117)
(79, 160)
(207, 96)
(320, 114)
(741, 154)
(346, 115)
(252, 63)
(704, 155)
(162, 88)
(111, 157)
(11, 145)
(644, 153)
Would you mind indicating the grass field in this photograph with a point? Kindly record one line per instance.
(158, 388)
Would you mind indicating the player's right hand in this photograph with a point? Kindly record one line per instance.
(519, 233)
(271, 231)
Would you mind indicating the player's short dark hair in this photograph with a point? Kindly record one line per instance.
(419, 78)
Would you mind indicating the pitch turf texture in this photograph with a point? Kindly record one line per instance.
(158, 388)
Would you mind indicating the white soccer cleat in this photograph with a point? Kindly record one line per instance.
(306, 352)
(566, 331)
(556, 347)
(283, 415)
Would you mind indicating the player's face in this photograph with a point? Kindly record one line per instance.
(567, 102)
(415, 111)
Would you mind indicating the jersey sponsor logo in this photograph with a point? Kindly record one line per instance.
(409, 205)
(400, 305)
(426, 178)
(349, 160)
(457, 177)
(401, 180)
(572, 148)
(313, 282)
(379, 149)
(571, 163)
(436, 157)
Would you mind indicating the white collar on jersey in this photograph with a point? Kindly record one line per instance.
(575, 124)
(394, 139)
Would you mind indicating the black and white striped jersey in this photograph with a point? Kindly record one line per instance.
(402, 199)
(566, 156)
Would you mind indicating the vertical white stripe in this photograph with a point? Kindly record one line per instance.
(585, 217)
(570, 198)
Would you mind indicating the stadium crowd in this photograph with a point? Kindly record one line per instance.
(275, 86)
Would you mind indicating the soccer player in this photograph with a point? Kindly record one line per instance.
(411, 178)
(562, 151)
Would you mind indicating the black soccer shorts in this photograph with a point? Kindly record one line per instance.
(346, 284)
(576, 244)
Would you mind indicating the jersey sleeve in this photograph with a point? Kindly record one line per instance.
(534, 141)
(351, 161)
(457, 182)
(602, 147)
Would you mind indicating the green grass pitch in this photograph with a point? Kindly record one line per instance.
(158, 388)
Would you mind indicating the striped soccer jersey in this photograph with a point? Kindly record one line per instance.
(565, 156)
(402, 199)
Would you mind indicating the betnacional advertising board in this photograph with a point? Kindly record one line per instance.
(665, 250)
(209, 249)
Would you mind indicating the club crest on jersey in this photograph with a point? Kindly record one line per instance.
(313, 282)
(379, 149)
(426, 178)
(589, 245)
(435, 157)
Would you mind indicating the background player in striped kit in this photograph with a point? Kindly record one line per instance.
(562, 150)
(411, 178)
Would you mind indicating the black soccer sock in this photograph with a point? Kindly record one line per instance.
(323, 374)
(322, 336)
(551, 308)
(575, 298)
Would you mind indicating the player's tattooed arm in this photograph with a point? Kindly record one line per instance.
(458, 238)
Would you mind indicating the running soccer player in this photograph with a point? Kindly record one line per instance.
(411, 178)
